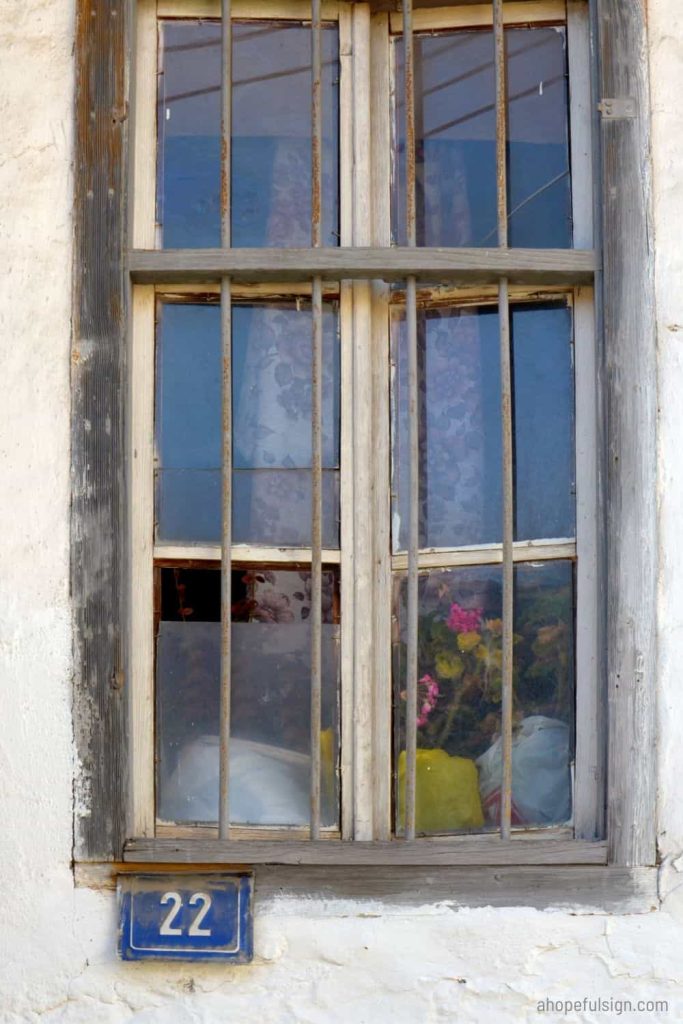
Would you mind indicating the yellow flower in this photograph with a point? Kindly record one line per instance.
(468, 641)
(449, 666)
(494, 625)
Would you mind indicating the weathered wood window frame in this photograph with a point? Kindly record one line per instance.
(103, 574)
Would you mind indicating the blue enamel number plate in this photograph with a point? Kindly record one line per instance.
(186, 917)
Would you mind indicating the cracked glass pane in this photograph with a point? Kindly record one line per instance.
(455, 125)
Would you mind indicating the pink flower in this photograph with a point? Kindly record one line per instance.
(460, 620)
(432, 692)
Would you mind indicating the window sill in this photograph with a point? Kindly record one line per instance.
(575, 889)
(478, 851)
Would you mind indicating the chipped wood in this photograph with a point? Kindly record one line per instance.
(475, 850)
(589, 889)
(631, 423)
(97, 430)
(485, 266)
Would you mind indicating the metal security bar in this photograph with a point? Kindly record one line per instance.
(506, 421)
(226, 345)
(413, 452)
(316, 421)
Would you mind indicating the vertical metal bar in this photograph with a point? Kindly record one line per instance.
(226, 123)
(316, 123)
(316, 421)
(501, 121)
(409, 100)
(601, 393)
(413, 472)
(508, 566)
(316, 563)
(506, 423)
(413, 524)
(226, 343)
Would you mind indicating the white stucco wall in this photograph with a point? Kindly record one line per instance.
(316, 962)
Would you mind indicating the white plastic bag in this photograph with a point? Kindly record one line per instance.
(541, 792)
(268, 785)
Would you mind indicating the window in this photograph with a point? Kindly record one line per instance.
(366, 482)
(391, 318)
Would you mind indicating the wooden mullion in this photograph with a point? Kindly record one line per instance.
(381, 85)
(433, 15)
(361, 438)
(488, 554)
(280, 10)
(142, 627)
(469, 266)
(242, 554)
(589, 772)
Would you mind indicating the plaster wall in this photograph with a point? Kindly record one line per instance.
(322, 962)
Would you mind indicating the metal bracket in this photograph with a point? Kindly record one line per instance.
(623, 108)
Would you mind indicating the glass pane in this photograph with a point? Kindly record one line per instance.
(460, 425)
(459, 761)
(455, 127)
(274, 507)
(271, 507)
(271, 423)
(539, 185)
(270, 713)
(543, 383)
(271, 353)
(271, 144)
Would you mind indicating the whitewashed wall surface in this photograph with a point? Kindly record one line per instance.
(316, 961)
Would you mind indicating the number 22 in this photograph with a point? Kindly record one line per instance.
(194, 930)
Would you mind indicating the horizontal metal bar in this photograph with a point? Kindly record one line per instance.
(488, 554)
(475, 850)
(240, 553)
(469, 266)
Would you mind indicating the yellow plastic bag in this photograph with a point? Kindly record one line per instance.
(328, 771)
(446, 792)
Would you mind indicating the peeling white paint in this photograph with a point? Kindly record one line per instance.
(319, 963)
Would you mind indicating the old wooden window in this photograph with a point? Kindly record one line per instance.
(438, 532)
